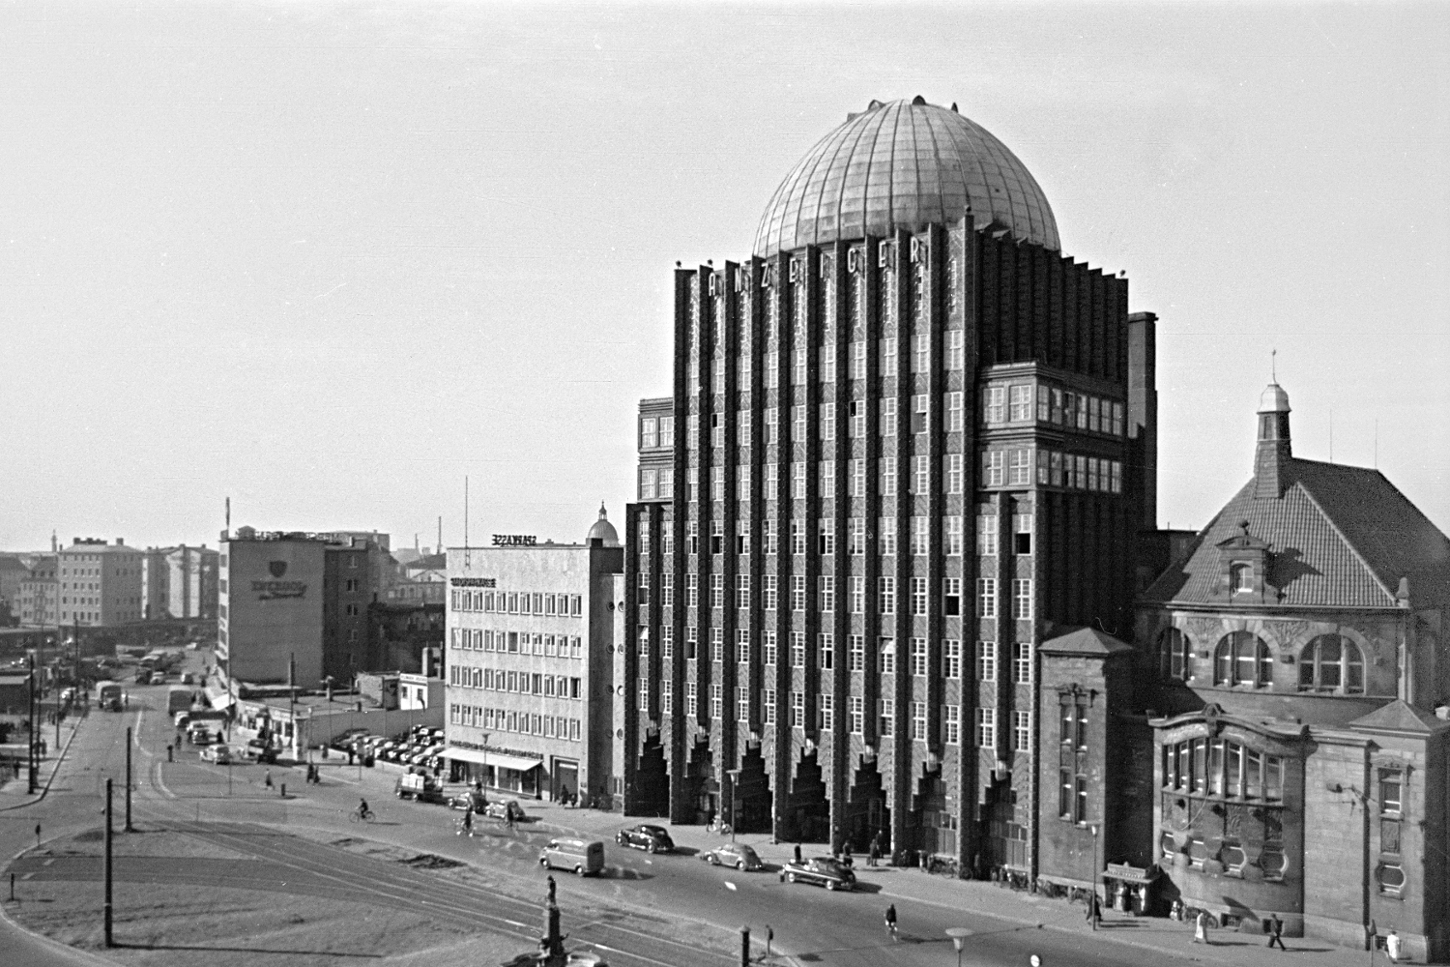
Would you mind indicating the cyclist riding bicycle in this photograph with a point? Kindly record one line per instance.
(891, 919)
(362, 809)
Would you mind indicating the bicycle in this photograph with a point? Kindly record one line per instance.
(358, 816)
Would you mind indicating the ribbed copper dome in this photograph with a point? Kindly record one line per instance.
(903, 165)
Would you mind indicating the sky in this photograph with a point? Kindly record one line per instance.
(331, 260)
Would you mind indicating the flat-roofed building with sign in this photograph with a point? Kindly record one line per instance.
(270, 616)
(530, 673)
(911, 448)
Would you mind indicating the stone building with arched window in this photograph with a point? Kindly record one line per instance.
(1296, 656)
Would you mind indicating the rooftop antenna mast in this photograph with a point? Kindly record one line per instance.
(1273, 369)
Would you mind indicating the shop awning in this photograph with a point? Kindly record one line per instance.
(1130, 874)
(219, 699)
(501, 760)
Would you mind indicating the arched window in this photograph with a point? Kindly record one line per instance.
(1175, 655)
(1331, 663)
(1242, 658)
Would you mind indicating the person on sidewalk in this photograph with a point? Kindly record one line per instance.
(873, 853)
(797, 855)
(1094, 910)
(1200, 928)
(267, 778)
(1276, 931)
(1393, 950)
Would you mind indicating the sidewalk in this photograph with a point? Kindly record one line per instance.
(907, 886)
(15, 792)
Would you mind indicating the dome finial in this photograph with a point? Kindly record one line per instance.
(602, 514)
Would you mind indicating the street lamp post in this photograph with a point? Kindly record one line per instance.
(1093, 900)
(959, 937)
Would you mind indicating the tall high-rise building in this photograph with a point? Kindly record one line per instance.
(910, 443)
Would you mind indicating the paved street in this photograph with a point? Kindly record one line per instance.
(640, 912)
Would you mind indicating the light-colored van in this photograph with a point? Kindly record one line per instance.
(584, 857)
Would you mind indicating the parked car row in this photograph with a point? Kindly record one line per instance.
(421, 746)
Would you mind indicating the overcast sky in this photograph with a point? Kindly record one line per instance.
(329, 259)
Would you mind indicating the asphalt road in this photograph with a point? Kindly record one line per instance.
(645, 911)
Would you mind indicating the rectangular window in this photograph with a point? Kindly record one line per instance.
(767, 648)
(886, 595)
(767, 702)
(798, 424)
(920, 535)
(951, 720)
(987, 728)
(856, 427)
(826, 535)
(1021, 405)
(742, 590)
(921, 474)
(827, 481)
(717, 644)
(888, 717)
(887, 529)
(952, 471)
(742, 703)
(986, 661)
(797, 710)
(1022, 599)
(887, 649)
(920, 413)
(769, 591)
(951, 596)
(888, 417)
(918, 656)
(826, 711)
(692, 699)
(918, 721)
(772, 425)
(918, 596)
(888, 476)
(857, 355)
(951, 659)
(649, 435)
(647, 479)
(798, 480)
(797, 537)
(1022, 662)
(856, 656)
(994, 467)
(858, 595)
(797, 592)
(856, 714)
(717, 590)
(798, 649)
(986, 597)
(717, 701)
(742, 646)
(1022, 463)
(954, 406)
(996, 404)
(887, 349)
(1022, 731)
(828, 421)
(952, 541)
(955, 346)
(827, 601)
(692, 590)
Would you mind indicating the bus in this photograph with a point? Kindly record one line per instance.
(108, 696)
(178, 699)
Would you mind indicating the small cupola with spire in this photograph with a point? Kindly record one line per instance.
(1271, 459)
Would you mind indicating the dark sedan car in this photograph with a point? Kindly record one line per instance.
(651, 839)
(821, 870)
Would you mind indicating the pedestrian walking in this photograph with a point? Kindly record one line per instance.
(170, 754)
(1094, 910)
(1200, 928)
(1276, 931)
(1393, 949)
(267, 778)
(873, 853)
(797, 852)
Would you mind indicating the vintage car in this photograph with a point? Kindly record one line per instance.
(738, 855)
(473, 799)
(651, 839)
(823, 871)
(506, 810)
(219, 754)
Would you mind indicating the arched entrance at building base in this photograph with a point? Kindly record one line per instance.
(807, 814)
(752, 800)
(650, 794)
(867, 814)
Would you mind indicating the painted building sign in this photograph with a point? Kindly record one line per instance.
(514, 540)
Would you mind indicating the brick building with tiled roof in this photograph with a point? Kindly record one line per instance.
(1297, 657)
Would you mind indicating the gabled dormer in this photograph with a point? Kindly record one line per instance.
(1244, 569)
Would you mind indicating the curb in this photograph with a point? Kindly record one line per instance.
(60, 754)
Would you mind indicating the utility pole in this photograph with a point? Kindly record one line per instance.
(30, 737)
(129, 828)
(110, 942)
